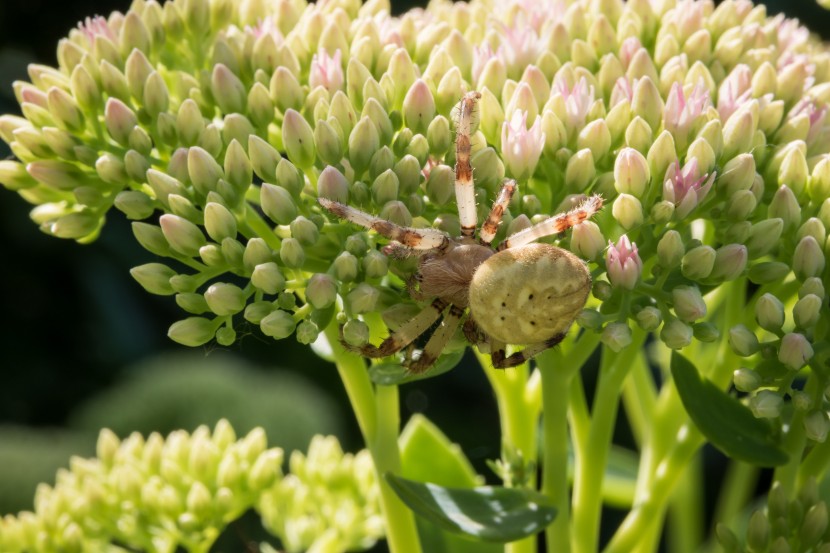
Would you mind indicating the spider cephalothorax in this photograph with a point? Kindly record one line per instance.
(521, 293)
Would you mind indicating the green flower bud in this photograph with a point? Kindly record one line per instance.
(670, 249)
(151, 239)
(203, 170)
(268, 278)
(418, 107)
(741, 205)
(192, 332)
(738, 174)
(57, 174)
(631, 173)
(305, 231)
(321, 290)
(266, 469)
(345, 267)
(329, 143)
(661, 154)
(647, 103)
(769, 313)
(182, 235)
(581, 171)
(307, 332)
(154, 277)
(278, 324)
(589, 319)
(784, 205)
(706, 332)
(819, 184)
(488, 168)
(385, 187)
(649, 318)
(256, 251)
(183, 207)
(793, 171)
(225, 299)
(356, 333)
(743, 341)
(396, 212)
(298, 139)
(264, 158)
(770, 271)
(135, 205)
(765, 404)
(119, 120)
(676, 334)
(65, 110)
(291, 253)
(587, 240)
(440, 185)
(333, 185)
(439, 136)
(727, 539)
(812, 285)
(764, 236)
(808, 258)
(375, 264)
(730, 262)
(277, 203)
(362, 298)
(638, 135)
(256, 311)
(795, 351)
(13, 176)
(408, 172)
(816, 425)
(812, 227)
(219, 222)
(746, 380)
(617, 336)
(192, 303)
(225, 336)
(260, 107)
(807, 311)
(84, 89)
(286, 90)
(738, 133)
(596, 137)
(419, 148)
(628, 211)
(698, 262)
(601, 289)
(364, 141)
(688, 303)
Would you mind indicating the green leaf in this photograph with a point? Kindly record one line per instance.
(388, 374)
(428, 454)
(488, 513)
(726, 423)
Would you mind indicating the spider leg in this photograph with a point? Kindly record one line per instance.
(404, 336)
(503, 361)
(417, 239)
(491, 225)
(438, 341)
(556, 224)
(464, 191)
(472, 332)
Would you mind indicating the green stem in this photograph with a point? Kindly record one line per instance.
(736, 492)
(639, 398)
(378, 417)
(686, 510)
(815, 464)
(794, 444)
(590, 463)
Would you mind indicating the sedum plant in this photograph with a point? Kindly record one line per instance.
(218, 125)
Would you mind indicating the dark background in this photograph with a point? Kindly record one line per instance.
(79, 334)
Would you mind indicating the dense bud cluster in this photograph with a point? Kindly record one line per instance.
(158, 494)
(784, 525)
(215, 125)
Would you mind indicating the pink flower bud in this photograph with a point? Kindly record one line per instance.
(578, 100)
(521, 147)
(685, 187)
(681, 112)
(326, 71)
(623, 263)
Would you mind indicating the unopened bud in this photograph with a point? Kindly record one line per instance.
(743, 341)
(268, 278)
(746, 380)
(581, 171)
(291, 253)
(795, 350)
(219, 222)
(277, 203)
(784, 205)
(154, 277)
(676, 334)
(364, 141)
(688, 303)
(649, 318)
(628, 211)
(765, 404)
(698, 262)
(193, 331)
(307, 332)
(356, 332)
(589, 319)
(182, 235)
(706, 332)
(587, 240)
(278, 324)
(807, 311)
(670, 249)
(362, 298)
(135, 205)
(119, 120)
(808, 258)
(764, 236)
(616, 336)
(631, 172)
(816, 426)
(225, 299)
(769, 313)
(321, 290)
(298, 139)
(730, 262)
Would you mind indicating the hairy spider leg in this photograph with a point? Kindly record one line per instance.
(405, 335)
(464, 191)
(416, 239)
(491, 225)
(438, 341)
(556, 224)
(502, 361)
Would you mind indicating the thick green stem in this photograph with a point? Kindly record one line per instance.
(590, 463)
(686, 510)
(555, 390)
(736, 492)
(378, 416)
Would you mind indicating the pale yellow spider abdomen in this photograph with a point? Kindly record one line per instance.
(529, 294)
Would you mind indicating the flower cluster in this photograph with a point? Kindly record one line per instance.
(158, 494)
(798, 524)
(329, 502)
(216, 125)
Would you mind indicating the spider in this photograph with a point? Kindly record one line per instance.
(520, 293)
